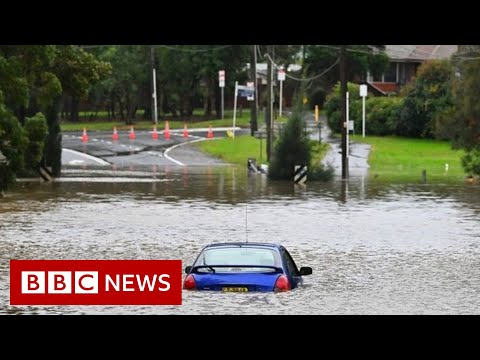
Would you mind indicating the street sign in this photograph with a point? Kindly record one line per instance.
(281, 75)
(245, 91)
(251, 85)
(363, 90)
(221, 78)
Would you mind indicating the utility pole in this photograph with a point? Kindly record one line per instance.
(343, 108)
(253, 104)
(268, 110)
(152, 84)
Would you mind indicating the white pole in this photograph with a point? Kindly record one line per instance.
(235, 108)
(280, 100)
(222, 103)
(348, 121)
(155, 96)
(363, 116)
(272, 99)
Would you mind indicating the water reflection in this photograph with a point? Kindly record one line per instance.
(374, 247)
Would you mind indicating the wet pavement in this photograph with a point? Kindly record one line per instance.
(357, 155)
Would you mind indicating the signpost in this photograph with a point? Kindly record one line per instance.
(281, 78)
(363, 94)
(154, 95)
(261, 134)
(247, 91)
(221, 84)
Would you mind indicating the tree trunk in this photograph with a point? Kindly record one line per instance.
(52, 156)
(74, 109)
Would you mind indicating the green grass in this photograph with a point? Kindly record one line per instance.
(243, 121)
(236, 150)
(403, 158)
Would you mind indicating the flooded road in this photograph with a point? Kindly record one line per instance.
(375, 248)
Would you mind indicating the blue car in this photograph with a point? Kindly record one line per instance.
(244, 267)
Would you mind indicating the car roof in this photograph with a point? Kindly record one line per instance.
(243, 244)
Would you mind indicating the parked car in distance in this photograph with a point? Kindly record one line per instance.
(244, 267)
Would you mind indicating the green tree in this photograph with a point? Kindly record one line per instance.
(294, 147)
(13, 143)
(466, 127)
(427, 97)
(360, 60)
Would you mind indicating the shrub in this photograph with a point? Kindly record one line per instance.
(332, 106)
(36, 130)
(382, 115)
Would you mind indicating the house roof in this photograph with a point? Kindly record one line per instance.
(385, 88)
(419, 53)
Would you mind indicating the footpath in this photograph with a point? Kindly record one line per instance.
(358, 153)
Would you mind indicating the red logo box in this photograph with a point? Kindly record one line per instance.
(95, 282)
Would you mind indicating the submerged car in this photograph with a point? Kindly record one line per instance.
(244, 267)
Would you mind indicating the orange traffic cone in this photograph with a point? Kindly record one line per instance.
(166, 133)
(115, 133)
(84, 136)
(154, 133)
(210, 132)
(132, 135)
(185, 131)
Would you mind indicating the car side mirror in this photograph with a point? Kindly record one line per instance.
(188, 269)
(305, 270)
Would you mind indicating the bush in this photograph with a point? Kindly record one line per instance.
(36, 130)
(332, 106)
(426, 98)
(382, 115)
(13, 142)
(294, 147)
(471, 161)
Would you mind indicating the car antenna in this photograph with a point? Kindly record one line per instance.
(246, 222)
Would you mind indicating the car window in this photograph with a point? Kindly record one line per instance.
(292, 267)
(239, 256)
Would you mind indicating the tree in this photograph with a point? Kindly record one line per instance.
(360, 60)
(426, 99)
(466, 130)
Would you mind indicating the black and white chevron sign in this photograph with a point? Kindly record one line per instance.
(46, 173)
(300, 174)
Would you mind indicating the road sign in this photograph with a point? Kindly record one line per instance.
(281, 75)
(221, 78)
(251, 85)
(363, 90)
(245, 91)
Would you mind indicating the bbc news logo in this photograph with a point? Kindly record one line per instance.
(95, 282)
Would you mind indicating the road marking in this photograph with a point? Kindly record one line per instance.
(165, 154)
(87, 156)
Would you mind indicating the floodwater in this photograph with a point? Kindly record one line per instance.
(375, 248)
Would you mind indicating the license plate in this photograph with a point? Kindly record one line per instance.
(235, 289)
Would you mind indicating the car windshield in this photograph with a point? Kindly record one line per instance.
(238, 256)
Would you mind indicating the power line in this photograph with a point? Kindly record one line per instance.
(306, 79)
(193, 50)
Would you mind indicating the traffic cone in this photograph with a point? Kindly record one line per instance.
(210, 132)
(154, 133)
(115, 133)
(166, 133)
(185, 131)
(132, 136)
(84, 136)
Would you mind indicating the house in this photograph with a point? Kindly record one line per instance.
(404, 62)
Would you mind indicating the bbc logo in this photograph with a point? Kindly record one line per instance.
(59, 282)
